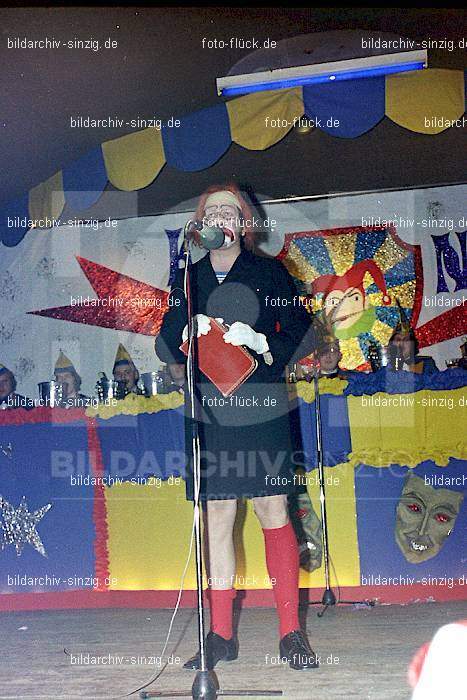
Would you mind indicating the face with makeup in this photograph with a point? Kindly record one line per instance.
(226, 216)
(425, 517)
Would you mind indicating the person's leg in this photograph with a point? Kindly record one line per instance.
(220, 643)
(219, 524)
(283, 567)
(281, 557)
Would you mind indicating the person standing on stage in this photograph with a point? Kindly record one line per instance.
(246, 449)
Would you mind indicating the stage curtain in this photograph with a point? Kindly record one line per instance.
(133, 161)
(412, 97)
(47, 199)
(248, 115)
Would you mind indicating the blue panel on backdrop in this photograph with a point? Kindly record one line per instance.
(44, 463)
(346, 108)
(84, 180)
(136, 447)
(13, 221)
(201, 138)
(335, 427)
(377, 494)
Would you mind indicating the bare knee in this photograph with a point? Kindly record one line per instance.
(271, 511)
(220, 517)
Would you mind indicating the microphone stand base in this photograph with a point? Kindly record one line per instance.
(206, 687)
(329, 599)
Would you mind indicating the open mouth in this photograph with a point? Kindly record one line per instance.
(229, 234)
(417, 547)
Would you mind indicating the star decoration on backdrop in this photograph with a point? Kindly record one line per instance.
(7, 450)
(19, 526)
(123, 303)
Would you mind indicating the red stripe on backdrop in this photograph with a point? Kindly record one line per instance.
(41, 414)
(101, 552)
(66, 600)
(449, 325)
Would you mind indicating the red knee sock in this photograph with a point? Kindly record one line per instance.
(220, 603)
(283, 566)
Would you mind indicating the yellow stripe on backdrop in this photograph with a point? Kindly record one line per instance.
(341, 251)
(134, 161)
(416, 100)
(149, 529)
(407, 429)
(47, 199)
(298, 265)
(261, 119)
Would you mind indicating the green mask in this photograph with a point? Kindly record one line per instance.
(425, 516)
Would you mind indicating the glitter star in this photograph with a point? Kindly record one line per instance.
(19, 526)
(123, 303)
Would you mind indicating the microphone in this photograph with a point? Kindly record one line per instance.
(210, 237)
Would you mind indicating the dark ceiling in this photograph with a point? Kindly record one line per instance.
(159, 69)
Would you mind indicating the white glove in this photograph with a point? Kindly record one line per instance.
(241, 334)
(204, 326)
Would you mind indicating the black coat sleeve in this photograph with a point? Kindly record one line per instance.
(296, 336)
(175, 319)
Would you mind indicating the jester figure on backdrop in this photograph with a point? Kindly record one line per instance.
(345, 299)
(234, 284)
(345, 305)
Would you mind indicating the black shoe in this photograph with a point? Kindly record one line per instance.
(296, 649)
(217, 649)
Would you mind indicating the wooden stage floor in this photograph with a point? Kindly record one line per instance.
(364, 652)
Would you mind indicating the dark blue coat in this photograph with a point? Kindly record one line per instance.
(245, 439)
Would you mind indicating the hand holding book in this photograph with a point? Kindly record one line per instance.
(226, 363)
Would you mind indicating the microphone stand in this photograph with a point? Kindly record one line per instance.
(329, 598)
(205, 685)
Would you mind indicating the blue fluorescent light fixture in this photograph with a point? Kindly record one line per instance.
(353, 69)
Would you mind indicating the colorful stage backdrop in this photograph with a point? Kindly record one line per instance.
(94, 503)
(407, 245)
(390, 515)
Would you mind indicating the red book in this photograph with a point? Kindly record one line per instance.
(226, 366)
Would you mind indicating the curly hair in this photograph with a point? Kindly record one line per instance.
(246, 213)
